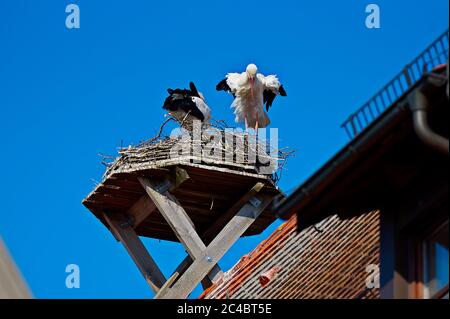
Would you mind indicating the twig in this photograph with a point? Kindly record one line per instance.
(241, 145)
(161, 129)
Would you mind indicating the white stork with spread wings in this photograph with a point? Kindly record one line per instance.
(251, 90)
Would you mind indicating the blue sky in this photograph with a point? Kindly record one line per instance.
(67, 95)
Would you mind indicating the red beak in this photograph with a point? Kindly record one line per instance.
(252, 83)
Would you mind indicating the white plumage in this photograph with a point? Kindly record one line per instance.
(251, 90)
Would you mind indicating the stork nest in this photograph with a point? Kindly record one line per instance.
(218, 145)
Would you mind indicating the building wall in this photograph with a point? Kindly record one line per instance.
(338, 258)
(12, 286)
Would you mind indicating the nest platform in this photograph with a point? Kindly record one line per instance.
(207, 194)
(206, 203)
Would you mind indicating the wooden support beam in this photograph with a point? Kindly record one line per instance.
(177, 177)
(167, 284)
(213, 277)
(222, 220)
(124, 232)
(176, 217)
(183, 266)
(206, 282)
(218, 247)
(179, 221)
(141, 210)
(144, 207)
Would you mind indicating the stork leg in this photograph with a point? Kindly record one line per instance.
(246, 122)
(256, 126)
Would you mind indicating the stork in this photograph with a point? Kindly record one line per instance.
(251, 91)
(187, 106)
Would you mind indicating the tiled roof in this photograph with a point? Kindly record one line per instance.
(328, 260)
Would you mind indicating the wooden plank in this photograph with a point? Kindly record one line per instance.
(131, 185)
(203, 209)
(181, 269)
(208, 194)
(158, 220)
(108, 196)
(223, 172)
(136, 249)
(141, 210)
(176, 217)
(178, 177)
(213, 277)
(218, 247)
(221, 182)
(231, 168)
(119, 191)
(210, 187)
(178, 220)
(183, 266)
(167, 284)
(102, 205)
(219, 223)
(144, 207)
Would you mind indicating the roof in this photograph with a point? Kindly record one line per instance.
(376, 167)
(434, 55)
(372, 128)
(12, 285)
(385, 163)
(328, 260)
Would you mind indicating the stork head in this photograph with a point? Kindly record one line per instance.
(251, 71)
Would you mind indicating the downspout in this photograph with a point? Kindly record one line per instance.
(420, 106)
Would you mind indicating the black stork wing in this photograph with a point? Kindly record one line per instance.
(223, 86)
(269, 96)
(182, 100)
(194, 90)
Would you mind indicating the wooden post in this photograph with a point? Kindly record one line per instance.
(167, 284)
(176, 217)
(217, 248)
(216, 273)
(124, 232)
(201, 263)
(221, 222)
(140, 211)
(180, 223)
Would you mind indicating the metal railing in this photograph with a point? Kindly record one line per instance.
(436, 54)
